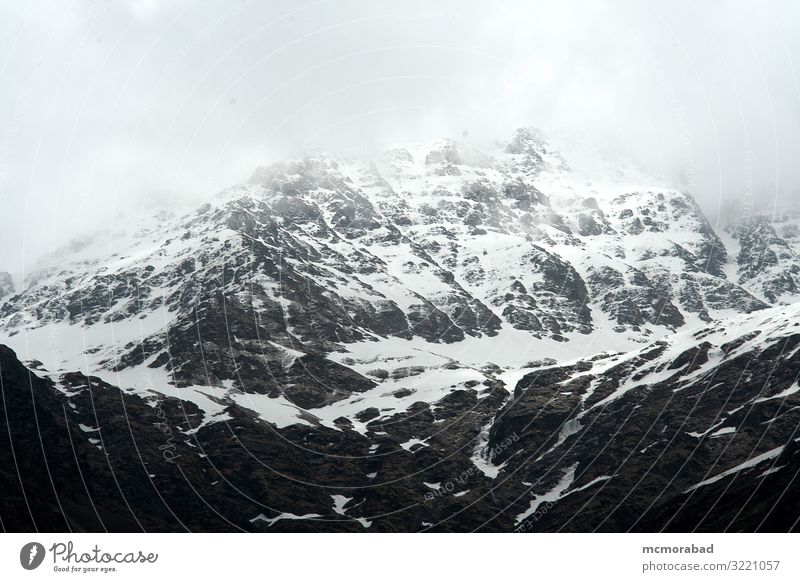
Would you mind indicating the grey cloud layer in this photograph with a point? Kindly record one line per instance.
(120, 105)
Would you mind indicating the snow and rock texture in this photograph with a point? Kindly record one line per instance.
(477, 318)
(768, 255)
(688, 422)
(6, 285)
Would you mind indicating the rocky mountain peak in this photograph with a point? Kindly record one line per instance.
(6, 284)
(767, 253)
(381, 323)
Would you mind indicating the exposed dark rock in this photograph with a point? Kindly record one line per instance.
(285, 292)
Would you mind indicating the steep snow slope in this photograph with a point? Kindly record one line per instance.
(488, 319)
(674, 425)
(325, 287)
(697, 431)
(767, 255)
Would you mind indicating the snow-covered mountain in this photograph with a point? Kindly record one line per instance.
(767, 254)
(436, 310)
(6, 285)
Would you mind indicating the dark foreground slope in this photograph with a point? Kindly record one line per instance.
(698, 432)
(442, 337)
(85, 456)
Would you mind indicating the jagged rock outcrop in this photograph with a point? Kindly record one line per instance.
(434, 339)
(6, 285)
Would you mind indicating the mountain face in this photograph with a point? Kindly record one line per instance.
(767, 257)
(6, 285)
(444, 338)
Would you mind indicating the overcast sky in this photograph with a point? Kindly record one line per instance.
(112, 105)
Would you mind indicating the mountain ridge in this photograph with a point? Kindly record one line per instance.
(365, 302)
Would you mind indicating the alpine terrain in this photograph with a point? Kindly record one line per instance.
(441, 337)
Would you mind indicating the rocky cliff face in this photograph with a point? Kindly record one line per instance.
(767, 255)
(640, 441)
(6, 285)
(338, 342)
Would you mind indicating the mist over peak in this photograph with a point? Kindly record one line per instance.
(141, 104)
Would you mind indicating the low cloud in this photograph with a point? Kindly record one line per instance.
(122, 105)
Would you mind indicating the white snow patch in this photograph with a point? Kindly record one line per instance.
(788, 392)
(339, 502)
(409, 444)
(553, 495)
(740, 467)
(771, 471)
(723, 431)
(272, 520)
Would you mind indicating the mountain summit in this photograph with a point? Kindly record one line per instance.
(441, 337)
